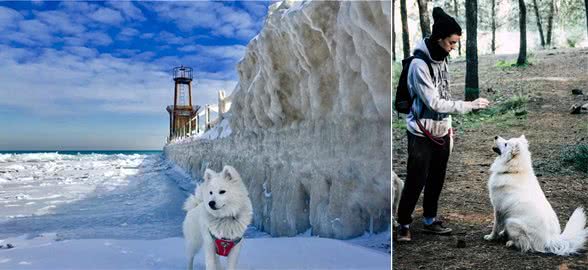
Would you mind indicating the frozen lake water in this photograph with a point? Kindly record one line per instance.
(121, 196)
(102, 196)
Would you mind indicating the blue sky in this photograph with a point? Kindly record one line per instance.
(97, 75)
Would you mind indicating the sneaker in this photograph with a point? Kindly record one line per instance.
(403, 234)
(436, 228)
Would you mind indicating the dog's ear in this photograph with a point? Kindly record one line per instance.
(523, 140)
(208, 175)
(229, 173)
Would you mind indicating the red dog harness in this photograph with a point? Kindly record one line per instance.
(223, 245)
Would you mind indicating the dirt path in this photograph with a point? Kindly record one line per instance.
(548, 126)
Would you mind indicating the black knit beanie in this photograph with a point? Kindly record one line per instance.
(444, 25)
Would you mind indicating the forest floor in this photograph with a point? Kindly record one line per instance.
(543, 90)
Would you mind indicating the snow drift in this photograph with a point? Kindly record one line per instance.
(310, 121)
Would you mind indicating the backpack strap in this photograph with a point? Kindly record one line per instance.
(423, 56)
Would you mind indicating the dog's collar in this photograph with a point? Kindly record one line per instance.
(223, 245)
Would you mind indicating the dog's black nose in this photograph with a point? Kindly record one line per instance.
(495, 137)
(212, 204)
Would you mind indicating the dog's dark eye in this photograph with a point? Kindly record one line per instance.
(222, 192)
(505, 144)
(211, 193)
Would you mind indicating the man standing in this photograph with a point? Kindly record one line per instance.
(429, 124)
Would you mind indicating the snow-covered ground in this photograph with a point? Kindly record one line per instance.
(96, 211)
(91, 196)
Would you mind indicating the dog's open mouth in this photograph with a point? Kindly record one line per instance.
(215, 207)
(497, 150)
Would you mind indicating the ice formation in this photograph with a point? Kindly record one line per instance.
(310, 120)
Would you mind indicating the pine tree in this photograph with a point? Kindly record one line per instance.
(424, 18)
(523, 33)
(404, 19)
(472, 90)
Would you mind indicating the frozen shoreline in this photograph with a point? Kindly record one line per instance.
(124, 212)
(258, 253)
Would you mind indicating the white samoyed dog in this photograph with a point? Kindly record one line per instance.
(217, 216)
(397, 186)
(522, 214)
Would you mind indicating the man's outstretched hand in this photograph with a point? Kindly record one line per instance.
(480, 103)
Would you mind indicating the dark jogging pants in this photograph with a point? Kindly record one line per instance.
(426, 166)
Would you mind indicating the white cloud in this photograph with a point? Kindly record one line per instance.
(65, 82)
(128, 10)
(169, 38)
(107, 16)
(147, 35)
(59, 21)
(78, 8)
(207, 15)
(127, 52)
(37, 31)
(189, 48)
(15, 36)
(81, 51)
(258, 8)
(127, 33)
(144, 56)
(235, 52)
(8, 17)
(97, 38)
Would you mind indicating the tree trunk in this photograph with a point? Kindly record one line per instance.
(550, 23)
(403, 18)
(456, 8)
(393, 35)
(539, 23)
(586, 10)
(493, 45)
(523, 31)
(472, 90)
(424, 18)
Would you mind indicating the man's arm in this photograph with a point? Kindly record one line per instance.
(420, 79)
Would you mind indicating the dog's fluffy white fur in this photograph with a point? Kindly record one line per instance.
(397, 186)
(522, 214)
(221, 206)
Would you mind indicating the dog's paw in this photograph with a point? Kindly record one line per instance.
(489, 237)
(509, 243)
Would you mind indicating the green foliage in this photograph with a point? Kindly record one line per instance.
(576, 155)
(515, 103)
(399, 125)
(506, 64)
(396, 70)
(571, 14)
(574, 36)
(508, 113)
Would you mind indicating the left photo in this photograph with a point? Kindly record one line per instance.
(196, 135)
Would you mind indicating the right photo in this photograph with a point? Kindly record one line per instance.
(489, 134)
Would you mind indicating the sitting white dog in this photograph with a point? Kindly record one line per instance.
(521, 211)
(218, 215)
